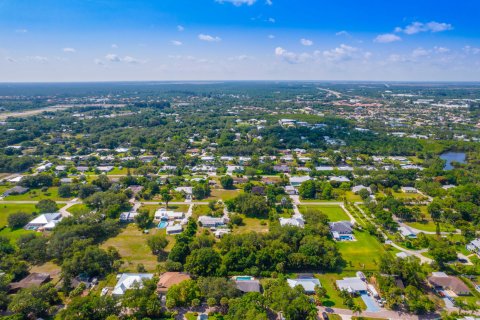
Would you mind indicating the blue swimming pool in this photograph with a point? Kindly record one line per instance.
(244, 278)
(162, 225)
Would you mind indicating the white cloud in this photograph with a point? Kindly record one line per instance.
(237, 3)
(271, 36)
(387, 38)
(306, 42)
(180, 28)
(98, 62)
(114, 46)
(417, 27)
(242, 57)
(441, 49)
(39, 59)
(176, 42)
(112, 57)
(420, 52)
(132, 60)
(209, 38)
(269, 2)
(10, 59)
(471, 50)
(21, 31)
(271, 20)
(342, 33)
(344, 52)
(291, 57)
(69, 50)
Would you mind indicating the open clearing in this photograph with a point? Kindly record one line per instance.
(362, 254)
(7, 209)
(334, 213)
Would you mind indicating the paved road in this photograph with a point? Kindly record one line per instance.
(383, 314)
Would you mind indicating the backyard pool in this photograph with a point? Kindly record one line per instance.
(243, 278)
(162, 225)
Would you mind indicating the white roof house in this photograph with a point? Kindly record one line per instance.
(296, 221)
(352, 285)
(407, 232)
(128, 281)
(46, 221)
(162, 213)
(339, 179)
(209, 222)
(474, 245)
(174, 229)
(298, 180)
(409, 190)
(361, 187)
(308, 284)
(324, 168)
(187, 190)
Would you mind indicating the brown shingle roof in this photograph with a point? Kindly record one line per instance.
(449, 283)
(169, 279)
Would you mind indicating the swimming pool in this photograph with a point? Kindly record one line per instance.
(162, 225)
(244, 278)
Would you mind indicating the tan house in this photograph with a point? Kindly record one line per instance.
(169, 279)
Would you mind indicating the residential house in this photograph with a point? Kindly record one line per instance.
(127, 281)
(298, 180)
(353, 285)
(440, 281)
(247, 284)
(174, 229)
(342, 230)
(409, 190)
(356, 189)
(164, 214)
(15, 190)
(32, 280)
(46, 221)
(296, 221)
(407, 232)
(308, 284)
(211, 222)
(474, 246)
(169, 279)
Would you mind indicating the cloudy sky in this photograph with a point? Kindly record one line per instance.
(104, 40)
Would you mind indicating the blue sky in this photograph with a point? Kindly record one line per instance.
(104, 40)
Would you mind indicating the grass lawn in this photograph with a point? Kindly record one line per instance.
(78, 208)
(252, 224)
(352, 197)
(14, 234)
(333, 298)
(222, 194)
(334, 213)
(37, 195)
(404, 195)
(118, 171)
(362, 254)
(132, 245)
(200, 210)
(7, 209)
(430, 226)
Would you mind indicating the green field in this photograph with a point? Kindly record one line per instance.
(222, 194)
(37, 195)
(334, 213)
(7, 209)
(131, 243)
(362, 254)
(78, 208)
(14, 234)
(252, 224)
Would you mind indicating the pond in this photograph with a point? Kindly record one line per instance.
(451, 156)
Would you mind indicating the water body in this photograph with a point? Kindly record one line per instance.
(450, 157)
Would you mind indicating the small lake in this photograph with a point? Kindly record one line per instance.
(450, 157)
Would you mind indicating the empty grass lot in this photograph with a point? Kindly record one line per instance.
(37, 195)
(252, 224)
(362, 254)
(222, 194)
(334, 213)
(131, 243)
(7, 209)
